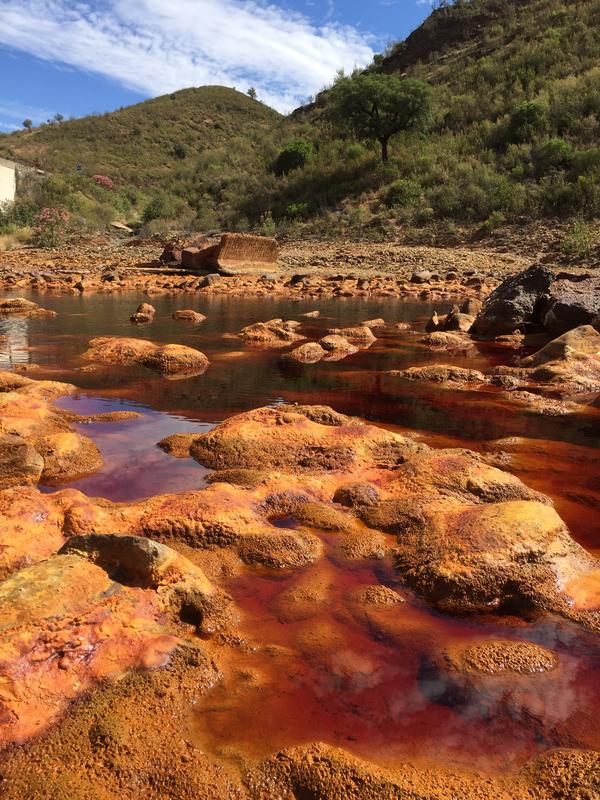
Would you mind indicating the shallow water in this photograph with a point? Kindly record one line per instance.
(372, 693)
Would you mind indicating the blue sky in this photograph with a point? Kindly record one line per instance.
(77, 57)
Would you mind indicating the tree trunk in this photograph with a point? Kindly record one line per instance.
(384, 148)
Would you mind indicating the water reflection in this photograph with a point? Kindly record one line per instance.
(14, 341)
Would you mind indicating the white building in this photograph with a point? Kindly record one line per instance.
(8, 181)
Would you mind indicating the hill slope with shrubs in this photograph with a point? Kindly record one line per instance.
(514, 136)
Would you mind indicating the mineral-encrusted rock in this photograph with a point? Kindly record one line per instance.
(273, 333)
(188, 315)
(67, 457)
(443, 374)
(20, 462)
(444, 340)
(20, 306)
(310, 438)
(167, 359)
(65, 627)
(144, 313)
(309, 353)
(515, 304)
(361, 334)
(569, 364)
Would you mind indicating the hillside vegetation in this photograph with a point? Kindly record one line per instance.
(515, 135)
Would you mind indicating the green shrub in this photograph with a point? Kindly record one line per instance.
(527, 122)
(553, 154)
(267, 224)
(297, 210)
(162, 206)
(294, 156)
(580, 239)
(403, 193)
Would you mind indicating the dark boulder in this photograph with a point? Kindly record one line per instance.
(574, 301)
(514, 304)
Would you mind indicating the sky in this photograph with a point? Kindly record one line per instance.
(82, 57)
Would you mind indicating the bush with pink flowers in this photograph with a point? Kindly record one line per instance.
(104, 181)
(50, 228)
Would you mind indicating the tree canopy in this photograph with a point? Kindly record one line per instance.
(377, 106)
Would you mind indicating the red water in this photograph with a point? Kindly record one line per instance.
(336, 675)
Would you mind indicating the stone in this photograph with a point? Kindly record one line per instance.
(308, 353)
(243, 251)
(515, 304)
(188, 315)
(360, 333)
(66, 626)
(20, 462)
(457, 321)
(421, 276)
(300, 439)
(22, 307)
(573, 301)
(442, 340)
(569, 364)
(168, 359)
(144, 313)
(442, 373)
(356, 494)
(198, 258)
(374, 323)
(273, 333)
(512, 556)
(67, 457)
(337, 346)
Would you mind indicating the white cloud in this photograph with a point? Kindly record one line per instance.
(158, 46)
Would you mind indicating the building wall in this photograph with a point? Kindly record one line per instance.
(8, 181)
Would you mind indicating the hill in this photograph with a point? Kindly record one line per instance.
(516, 134)
(143, 143)
(155, 147)
(515, 138)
